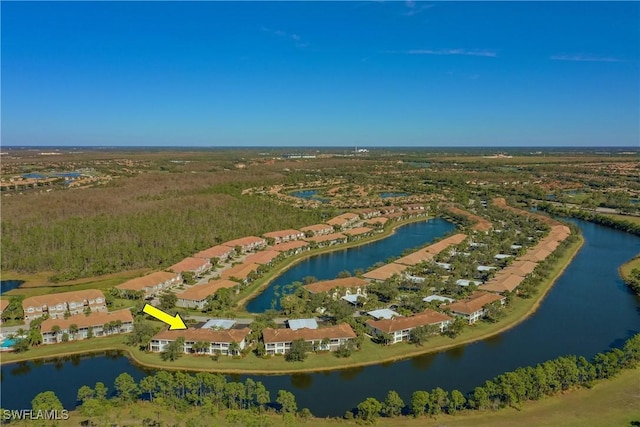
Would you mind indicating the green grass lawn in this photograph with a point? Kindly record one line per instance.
(39, 284)
(625, 269)
(629, 218)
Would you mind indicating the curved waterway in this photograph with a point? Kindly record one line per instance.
(328, 265)
(589, 310)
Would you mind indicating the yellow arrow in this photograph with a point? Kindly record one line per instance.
(173, 322)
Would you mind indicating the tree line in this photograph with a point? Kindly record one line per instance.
(620, 224)
(510, 389)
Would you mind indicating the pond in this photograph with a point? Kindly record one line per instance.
(328, 265)
(7, 285)
(309, 195)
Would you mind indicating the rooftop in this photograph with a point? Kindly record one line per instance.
(262, 257)
(296, 324)
(245, 241)
(64, 297)
(327, 285)
(473, 303)
(282, 233)
(201, 292)
(240, 271)
(288, 335)
(150, 280)
(96, 318)
(189, 264)
(207, 335)
(428, 317)
(215, 252)
(385, 272)
(383, 313)
(218, 324)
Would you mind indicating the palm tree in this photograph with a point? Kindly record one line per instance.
(117, 324)
(200, 346)
(56, 330)
(234, 348)
(73, 330)
(34, 337)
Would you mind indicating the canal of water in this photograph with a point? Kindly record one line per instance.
(589, 310)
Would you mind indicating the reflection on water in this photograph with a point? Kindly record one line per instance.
(301, 381)
(423, 362)
(351, 373)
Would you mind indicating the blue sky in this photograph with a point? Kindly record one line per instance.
(321, 73)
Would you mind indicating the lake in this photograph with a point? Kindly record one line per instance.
(589, 310)
(327, 266)
(7, 285)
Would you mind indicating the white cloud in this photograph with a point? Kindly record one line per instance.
(585, 58)
(466, 52)
(283, 34)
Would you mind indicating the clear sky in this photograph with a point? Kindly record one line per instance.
(377, 73)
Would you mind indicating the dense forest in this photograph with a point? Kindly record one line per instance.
(152, 220)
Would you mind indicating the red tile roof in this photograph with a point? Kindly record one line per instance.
(215, 252)
(357, 231)
(385, 272)
(502, 283)
(96, 318)
(240, 271)
(428, 317)
(317, 228)
(262, 257)
(287, 246)
(52, 300)
(291, 233)
(473, 303)
(4, 303)
(327, 285)
(189, 264)
(245, 241)
(207, 335)
(416, 257)
(148, 281)
(326, 237)
(288, 335)
(201, 292)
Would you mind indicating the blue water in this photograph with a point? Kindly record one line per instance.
(34, 175)
(68, 174)
(309, 195)
(7, 285)
(588, 310)
(327, 266)
(391, 194)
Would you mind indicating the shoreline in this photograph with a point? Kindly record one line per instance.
(242, 303)
(130, 353)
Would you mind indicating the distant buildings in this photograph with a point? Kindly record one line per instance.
(69, 303)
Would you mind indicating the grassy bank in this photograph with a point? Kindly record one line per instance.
(630, 218)
(39, 284)
(369, 355)
(625, 269)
